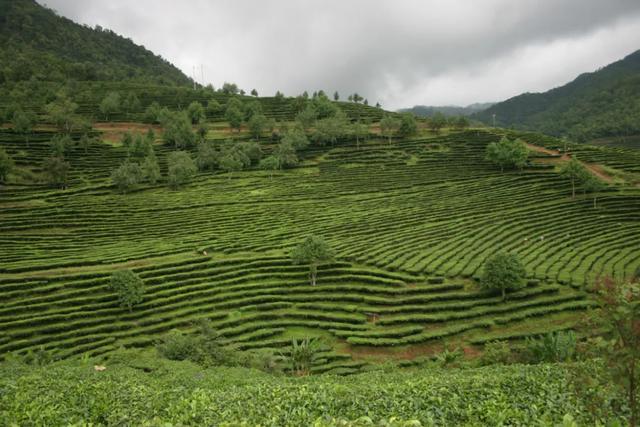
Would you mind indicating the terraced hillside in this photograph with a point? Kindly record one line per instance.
(410, 224)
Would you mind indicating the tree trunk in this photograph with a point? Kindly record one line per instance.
(594, 202)
(504, 294)
(313, 272)
(573, 188)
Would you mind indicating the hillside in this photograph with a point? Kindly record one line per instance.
(35, 43)
(447, 110)
(603, 103)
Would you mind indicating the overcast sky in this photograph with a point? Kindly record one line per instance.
(398, 52)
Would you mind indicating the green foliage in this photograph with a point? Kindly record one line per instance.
(575, 171)
(196, 113)
(56, 171)
(128, 287)
(389, 125)
(270, 163)
(308, 116)
(296, 138)
(6, 165)
(207, 156)
(552, 347)
(330, 129)
(23, 123)
(153, 113)
(213, 107)
(496, 352)
(178, 131)
(62, 113)
(619, 315)
(302, 354)
(110, 104)
(507, 153)
(286, 154)
(60, 144)
(181, 169)
(251, 150)
(437, 122)
(257, 124)
(313, 251)
(151, 168)
(501, 272)
(127, 176)
(408, 125)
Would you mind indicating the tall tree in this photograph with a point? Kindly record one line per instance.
(110, 104)
(56, 171)
(575, 172)
(129, 288)
(195, 111)
(127, 176)
(313, 251)
(507, 153)
(408, 125)
(62, 112)
(23, 123)
(181, 168)
(389, 125)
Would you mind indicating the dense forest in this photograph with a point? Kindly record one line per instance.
(604, 103)
(37, 44)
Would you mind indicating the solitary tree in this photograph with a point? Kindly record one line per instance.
(127, 176)
(575, 171)
(313, 251)
(257, 124)
(297, 138)
(501, 272)
(62, 113)
(110, 104)
(359, 130)
(389, 125)
(286, 154)
(336, 96)
(207, 156)
(23, 124)
(307, 117)
(6, 165)
(129, 288)
(181, 168)
(437, 122)
(507, 153)
(254, 92)
(234, 116)
(592, 185)
(230, 162)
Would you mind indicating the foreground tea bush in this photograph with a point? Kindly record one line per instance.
(155, 391)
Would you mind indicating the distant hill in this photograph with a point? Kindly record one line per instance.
(37, 43)
(600, 104)
(447, 110)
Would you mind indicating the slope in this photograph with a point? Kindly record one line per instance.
(35, 43)
(603, 103)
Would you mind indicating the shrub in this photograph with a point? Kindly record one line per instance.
(553, 347)
(496, 352)
(127, 176)
(129, 287)
(501, 272)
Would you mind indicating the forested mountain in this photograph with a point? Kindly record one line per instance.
(36, 43)
(447, 110)
(598, 104)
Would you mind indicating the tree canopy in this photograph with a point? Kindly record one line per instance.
(313, 251)
(501, 272)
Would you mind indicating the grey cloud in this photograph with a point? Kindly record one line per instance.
(397, 52)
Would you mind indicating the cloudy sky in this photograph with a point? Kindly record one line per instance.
(398, 52)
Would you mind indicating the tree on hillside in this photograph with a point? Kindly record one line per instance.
(297, 138)
(313, 251)
(196, 114)
(230, 88)
(110, 104)
(324, 107)
(507, 153)
(307, 117)
(257, 124)
(461, 122)
(61, 112)
(254, 92)
(501, 272)
(575, 172)
(619, 315)
(408, 125)
(389, 125)
(251, 150)
(86, 141)
(207, 156)
(286, 154)
(177, 130)
(152, 113)
(129, 288)
(60, 144)
(593, 186)
(213, 107)
(234, 116)
(270, 164)
(359, 130)
(6, 165)
(328, 130)
(151, 168)
(127, 176)
(437, 122)
(230, 162)
(56, 171)
(336, 96)
(181, 168)
(23, 123)
(131, 103)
